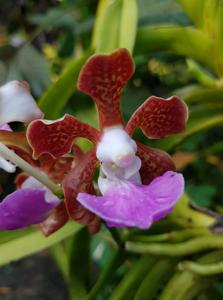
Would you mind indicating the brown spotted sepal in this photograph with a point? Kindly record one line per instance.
(155, 162)
(57, 137)
(103, 78)
(60, 168)
(159, 117)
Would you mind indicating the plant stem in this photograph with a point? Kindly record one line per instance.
(21, 163)
(178, 249)
(203, 270)
(133, 278)
(155, 277)
(116, 237)
(116, 260)
(172, 236)
(184, 285)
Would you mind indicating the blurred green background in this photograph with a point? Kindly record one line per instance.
(178, 49)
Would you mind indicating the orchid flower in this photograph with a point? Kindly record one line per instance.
(5, 164)
(13, 96)
(33, 202)
(138, 183)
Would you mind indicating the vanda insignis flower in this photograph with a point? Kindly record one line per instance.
(138, 184)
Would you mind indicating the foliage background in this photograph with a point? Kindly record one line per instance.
(177, 50)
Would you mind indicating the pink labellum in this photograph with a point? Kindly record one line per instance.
(57, 137)
(127, 204)
(159, 117)
(25, 207)
(103, 78)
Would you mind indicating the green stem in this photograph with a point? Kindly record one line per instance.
(79, 263)
(117, 237)
(107, 238)
(105, 276)
(201, 74)
(21, 163)
(178, 249)
(60, 256)
(174, 236)
(186, 216)
(185, 285)
(131, 281)
(158, 274)
(203, 270)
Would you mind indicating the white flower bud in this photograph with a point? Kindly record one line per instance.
(17, 104)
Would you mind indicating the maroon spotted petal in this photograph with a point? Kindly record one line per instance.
(57, 219)
(80, 179)
(57, 137)
(159, 117)
(103, 78)
(155, 162)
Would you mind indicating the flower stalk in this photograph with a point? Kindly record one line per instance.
(21, 163)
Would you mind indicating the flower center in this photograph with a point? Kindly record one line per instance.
(117, 153)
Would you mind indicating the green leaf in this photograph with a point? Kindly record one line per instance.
(128, 28)
(193, 9)
(102, 4)
(185, 41)
(32, 242)
(201, 120)
(113, 28)
(160, 11)
(54, 18)
(107, 38)
(55, 98)
(213, 27)
(34, 68)
(202, 194)
(201, 74)
(202, 94)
